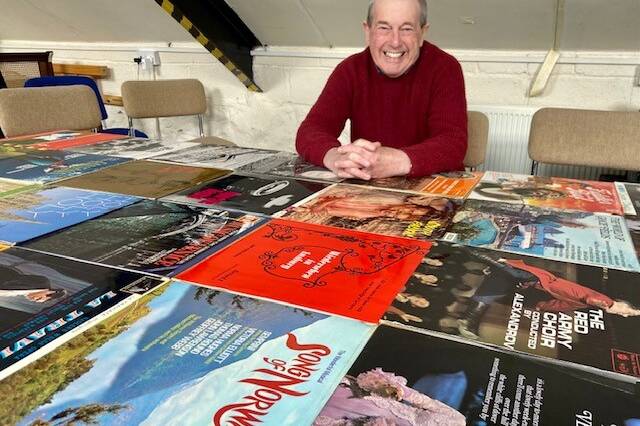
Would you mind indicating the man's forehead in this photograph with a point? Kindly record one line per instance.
(383, 22)
(407, 10)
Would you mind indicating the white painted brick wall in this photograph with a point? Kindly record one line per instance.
(291, 85)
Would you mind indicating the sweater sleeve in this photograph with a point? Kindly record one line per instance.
(319, 131)
(446, 146)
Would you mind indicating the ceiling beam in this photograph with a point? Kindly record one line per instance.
(216, 27)
(541, 79)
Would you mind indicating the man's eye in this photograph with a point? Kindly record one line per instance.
(384, 28)
(406, 30)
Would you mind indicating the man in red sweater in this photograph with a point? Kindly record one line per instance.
(405, 99)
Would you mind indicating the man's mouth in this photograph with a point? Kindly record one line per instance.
(393, 54)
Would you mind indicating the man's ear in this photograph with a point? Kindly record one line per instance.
(424, 29)
(366, 28)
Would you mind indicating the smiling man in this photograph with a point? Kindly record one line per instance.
(404, 97)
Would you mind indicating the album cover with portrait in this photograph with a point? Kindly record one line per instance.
(584, 315)
(555, 192)
(43, 298)
(399, 214)
(404, 378)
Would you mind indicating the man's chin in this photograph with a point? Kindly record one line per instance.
(393, 72)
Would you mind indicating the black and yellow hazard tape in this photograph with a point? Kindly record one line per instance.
(177, 14)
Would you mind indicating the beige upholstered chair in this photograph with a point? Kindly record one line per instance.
(609, 139)
(478, 130)
(41, 109)
(16, 67)
(167, 98)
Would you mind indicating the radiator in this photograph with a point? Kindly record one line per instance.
(507, 146)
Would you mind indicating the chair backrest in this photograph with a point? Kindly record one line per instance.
(16, 68)
(608, 139)
(478, 131)
(69, 80)
(40, 109)
(163, 98)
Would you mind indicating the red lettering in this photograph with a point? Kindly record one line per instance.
(243, 416)
(292, 343)
(277, 385)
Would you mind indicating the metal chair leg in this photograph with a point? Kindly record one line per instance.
(534, 167)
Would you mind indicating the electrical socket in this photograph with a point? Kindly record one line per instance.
(150, 58)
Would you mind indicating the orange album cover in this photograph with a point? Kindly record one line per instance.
(90, 139)
(453, 184)
(60, 139)
(339, 271)
(450, 184)
(44, 136)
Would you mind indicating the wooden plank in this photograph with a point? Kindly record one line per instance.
(112, 100)
(95, 71)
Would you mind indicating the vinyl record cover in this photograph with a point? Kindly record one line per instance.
(135, 148)
(52, 166)
(64, 139)
(406, 379)
(375, 210)
(27, 215)
(563, 311)
(7, 151)
(629, 194)
(269, 163)
(538, 191)
(51, 136)
(349, 273)
(255, 194)
(221, 157)
(630, 197)
(451, 184)
(156, 237)
(191, 356)
(296, 167)
(42, 297)
(145, 178)
(9, 187)
(578, 237)
(633, 224)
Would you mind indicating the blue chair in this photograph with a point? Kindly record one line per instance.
(69, 80)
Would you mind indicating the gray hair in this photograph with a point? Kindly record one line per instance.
(423, 12)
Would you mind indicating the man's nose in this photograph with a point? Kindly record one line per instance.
(395, 38)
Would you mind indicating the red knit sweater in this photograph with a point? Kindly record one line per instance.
(423, 113)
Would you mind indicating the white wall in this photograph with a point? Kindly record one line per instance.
(293, 77)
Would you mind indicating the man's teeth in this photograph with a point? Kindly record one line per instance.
(394, 54)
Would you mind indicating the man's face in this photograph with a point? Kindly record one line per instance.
(395, 36)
